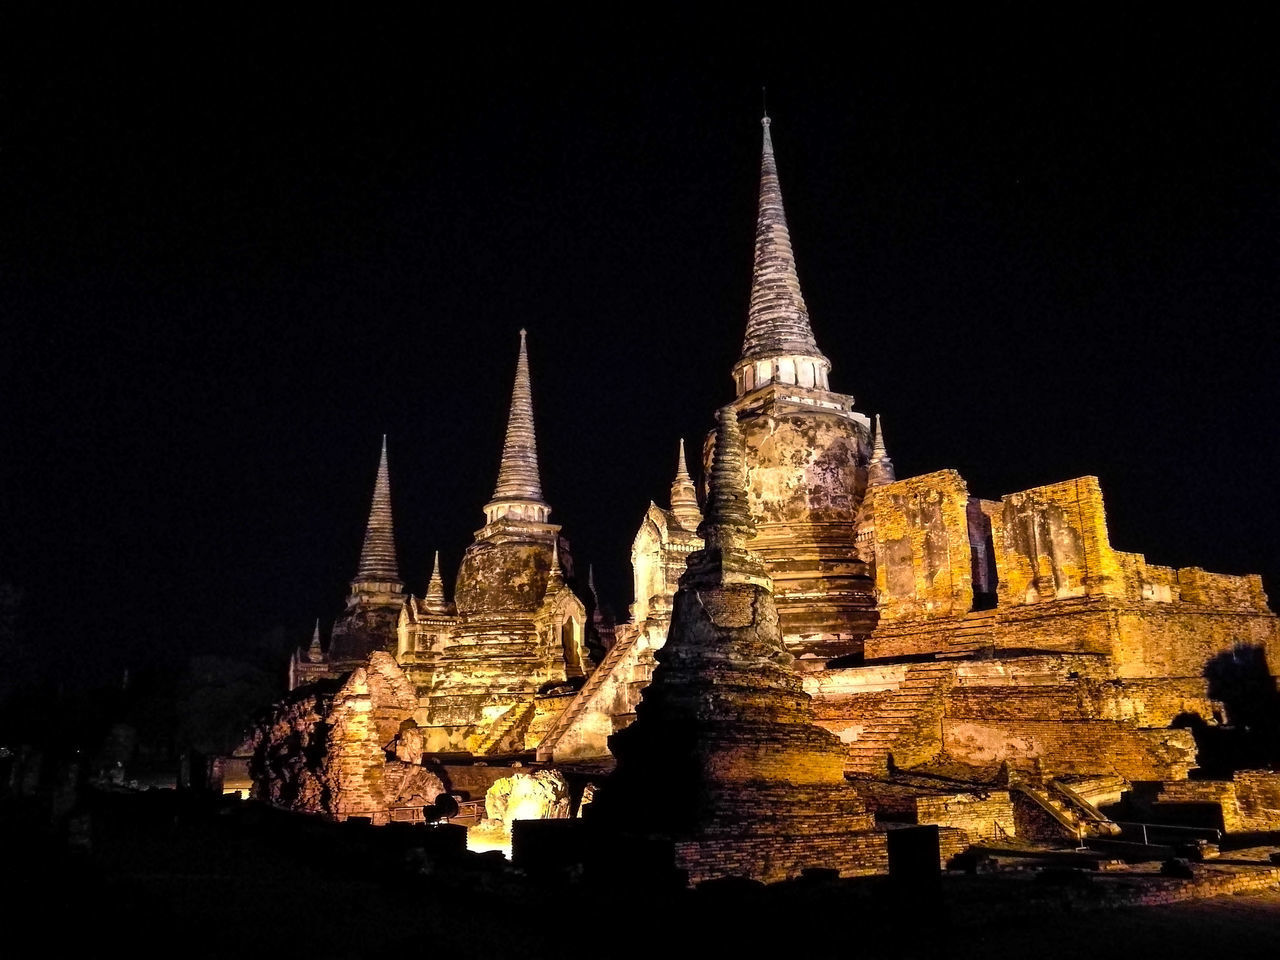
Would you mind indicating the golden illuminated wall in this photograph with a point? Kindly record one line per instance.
(1051, 544)
(923, 559)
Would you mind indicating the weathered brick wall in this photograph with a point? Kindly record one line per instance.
(1039, 694)
(1067, 746)
(765, 859)
(547, 710)
(979, 816)
(1051, 542)
(924, 565)
(1250, 801)
(1180, 640)
(366, 716)
(1222, 591)
(1258, 798)
(1086, 625)
(845, 701)
(1154, 702)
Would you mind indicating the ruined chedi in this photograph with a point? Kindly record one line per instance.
(806, 452)
(519, 624)
(373, 604)
(726, 727)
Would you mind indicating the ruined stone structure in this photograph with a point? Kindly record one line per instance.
(519, 625)
(373, 605)
(724, 761)
(608, 699)
(345, 750)
(933, 626)
(1014, 632)
(479, 665)
(807, 452)
(830, 617)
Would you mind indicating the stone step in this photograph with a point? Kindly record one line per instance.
(873, 765)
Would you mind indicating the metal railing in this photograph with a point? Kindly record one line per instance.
(1210, 833)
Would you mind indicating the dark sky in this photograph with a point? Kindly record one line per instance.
(233, 253)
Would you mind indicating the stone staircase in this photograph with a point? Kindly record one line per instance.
(1098, 790)
(974, 634)
(1075, 817)
(492, 741)
(613, 660)
(916, 706)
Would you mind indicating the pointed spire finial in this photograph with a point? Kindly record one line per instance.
(434, 599)
(880, 468)
(777, 319)
(435, 586)
(684, 496)
(314, 652)
(556, 576)
(518, 477)
(378, 554)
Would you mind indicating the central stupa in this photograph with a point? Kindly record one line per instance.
(724, 760)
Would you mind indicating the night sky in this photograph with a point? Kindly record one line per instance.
(234, 253)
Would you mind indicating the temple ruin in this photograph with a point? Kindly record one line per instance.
(810, 635)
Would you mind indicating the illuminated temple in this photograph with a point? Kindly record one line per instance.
(900, 650)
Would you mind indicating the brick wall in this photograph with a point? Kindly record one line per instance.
(768, 860)
(1051, 542)
(980, 817)
(1083, 746)
(924, 564)
(1250, 801)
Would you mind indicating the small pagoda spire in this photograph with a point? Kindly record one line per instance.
(518, 477)
(315, 653)
(378, 555)
(555, 578)
(591, 583)
(777, 319)
(880, 468)
(684, 495)
(433, 601)
(726, 525)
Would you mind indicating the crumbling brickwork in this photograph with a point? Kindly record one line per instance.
(1250, 800)
(924, 566)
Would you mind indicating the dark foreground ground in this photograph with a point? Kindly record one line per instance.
(154, 874)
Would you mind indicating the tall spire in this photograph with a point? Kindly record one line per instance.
(777, 319)
(880, 469)
(378, 555)
(684, 497)
(518, 478)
